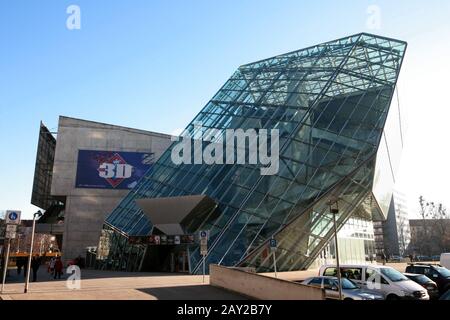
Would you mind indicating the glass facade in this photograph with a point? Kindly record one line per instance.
(330, 103)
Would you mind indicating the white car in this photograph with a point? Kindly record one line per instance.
(385, 280)
(350, 291)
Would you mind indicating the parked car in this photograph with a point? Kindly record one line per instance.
(423, 258)
(445, 260)
(385, 280)
(350, 291)
(435, 272)
(396, 258)
(436, 258)
(425, 282)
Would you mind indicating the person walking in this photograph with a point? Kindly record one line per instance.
(20, 265)
(35, 264)
(51, 266)
(58, 268)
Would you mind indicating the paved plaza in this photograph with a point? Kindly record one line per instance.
(106, 285)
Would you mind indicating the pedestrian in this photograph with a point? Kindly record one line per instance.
(411, 258)
(383, 258)
(58, 268)
(35, 264)
(19, 264)
(51, 266)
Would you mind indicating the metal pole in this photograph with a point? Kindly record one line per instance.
(275, 264)
(5, 267)
(27, 280)
(338, 266)
(204, 268)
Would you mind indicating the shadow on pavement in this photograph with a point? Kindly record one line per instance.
(86, 274)
(192, 293)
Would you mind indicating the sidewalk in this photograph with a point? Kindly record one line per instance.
(105, 285)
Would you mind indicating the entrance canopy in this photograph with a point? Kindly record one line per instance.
(178, 215)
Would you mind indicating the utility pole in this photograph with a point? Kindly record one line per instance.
(334, 209)
(5, 267)
(30, 256)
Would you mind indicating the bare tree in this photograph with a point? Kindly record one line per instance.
(434, 235)
(402, 225)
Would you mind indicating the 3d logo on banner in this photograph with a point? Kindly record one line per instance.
(111, 170)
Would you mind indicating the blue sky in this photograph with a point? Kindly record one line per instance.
(154, 64)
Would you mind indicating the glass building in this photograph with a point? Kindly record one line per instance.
(330, 103)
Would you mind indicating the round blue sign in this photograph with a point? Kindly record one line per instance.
(273, 243)
(13, 216)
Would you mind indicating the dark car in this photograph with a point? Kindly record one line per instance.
(425, 282)
(445, 296)
(435, 272)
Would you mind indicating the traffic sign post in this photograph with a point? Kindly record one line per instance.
(12, 220)
(5, 266)
(11, 231)
(13, 217)
(273, 248)
(204, 250)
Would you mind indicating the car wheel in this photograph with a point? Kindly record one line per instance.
(392, 297)
(348, 299)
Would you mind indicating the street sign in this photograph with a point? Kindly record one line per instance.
(13, 217)
(11, 228)
(204, 250)
(273, 244)
(10, 235)
(203, 235)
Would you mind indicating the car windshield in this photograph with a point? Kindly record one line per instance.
(421, 279)
(443, 271)
(393, 275)
(347, 284)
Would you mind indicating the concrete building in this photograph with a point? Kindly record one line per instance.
(394, 235)
(82, 175)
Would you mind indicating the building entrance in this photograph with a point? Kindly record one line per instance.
(170, 258)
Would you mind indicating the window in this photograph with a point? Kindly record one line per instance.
(442, 271)
(393, 274)
(373, 276)
(328, 284)
(369, 273)
(316, 282)
(352, 273)
(330, 272)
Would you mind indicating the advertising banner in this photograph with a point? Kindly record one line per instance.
(110, 169)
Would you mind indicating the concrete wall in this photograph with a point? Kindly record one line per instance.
(86, 209)
(261, 287)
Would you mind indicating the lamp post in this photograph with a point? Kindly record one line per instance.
(334, 210)
(27, 282)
